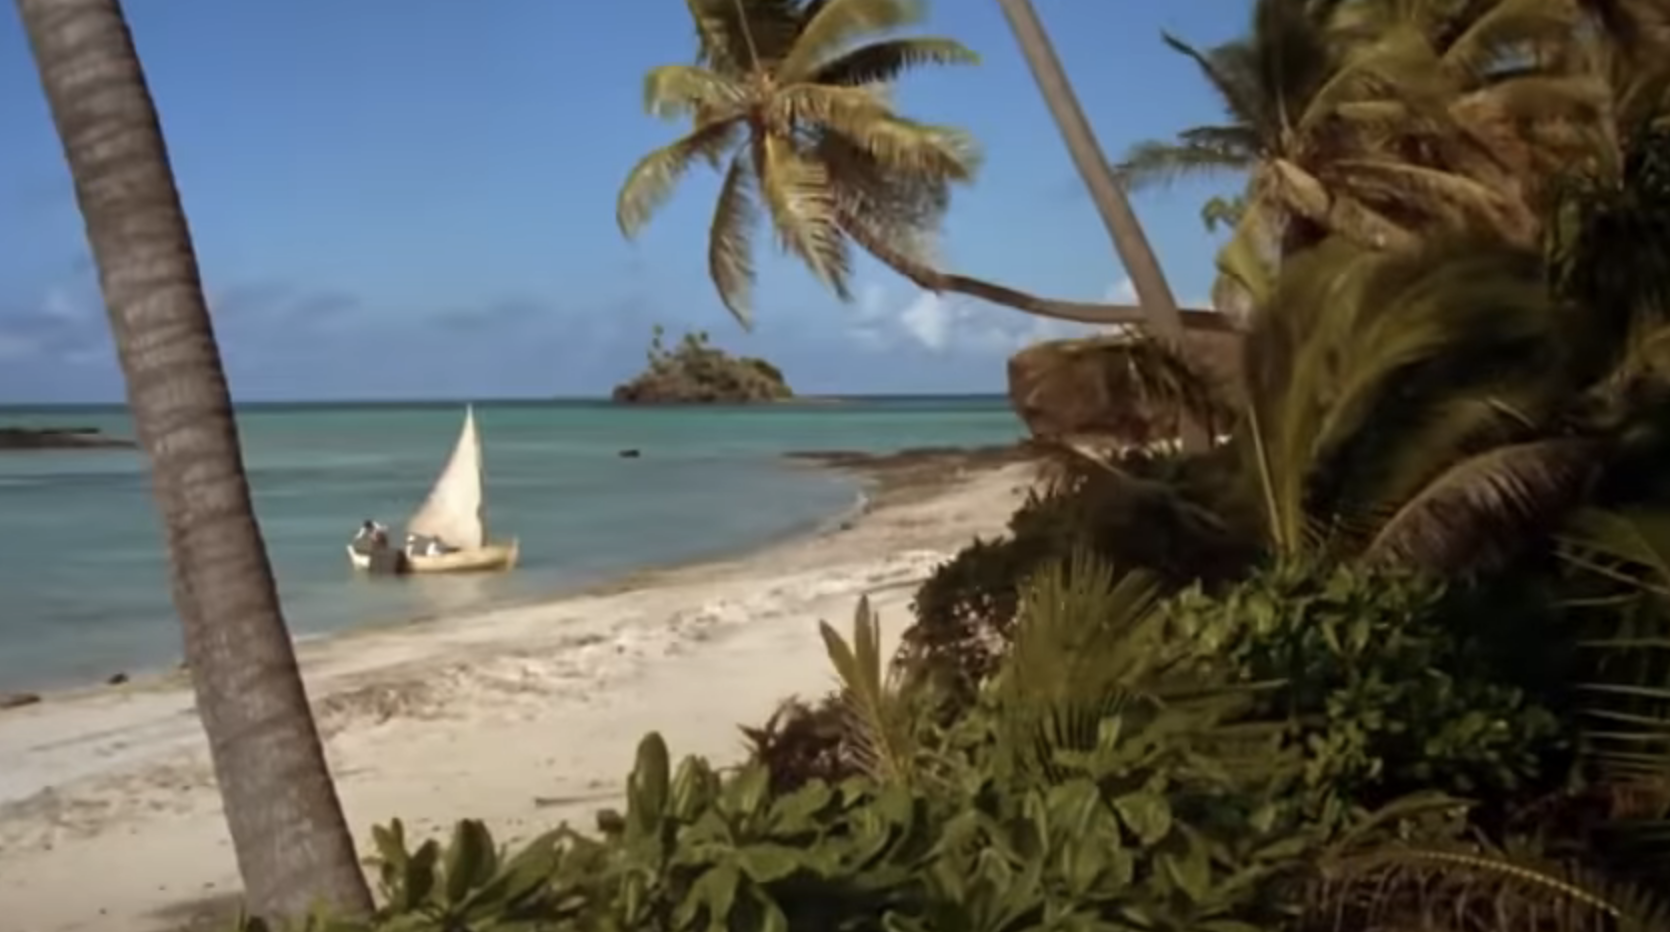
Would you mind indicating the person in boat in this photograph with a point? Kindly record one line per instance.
(370, 537)
(426, 545)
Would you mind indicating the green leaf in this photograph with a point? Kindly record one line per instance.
(767, 862)
(747, 793)
(419, 877)
(715, 891)
(1190, 873)
(690, 789)
(470, 859)
(647, 788)
(1082, 863)
(1146, 814)
(794, 813)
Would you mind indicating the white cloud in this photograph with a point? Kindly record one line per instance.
(948, 324)
(929, 318)
(1121, 292)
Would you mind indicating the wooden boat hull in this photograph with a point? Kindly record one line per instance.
(490, 558)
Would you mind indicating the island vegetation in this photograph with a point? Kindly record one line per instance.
(1390, 655)
(694, 371)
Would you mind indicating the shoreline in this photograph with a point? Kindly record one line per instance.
(878, 475)
(479, 715)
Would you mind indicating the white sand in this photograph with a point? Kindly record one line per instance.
(109, 819)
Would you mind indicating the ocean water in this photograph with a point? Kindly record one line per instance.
(83, 585)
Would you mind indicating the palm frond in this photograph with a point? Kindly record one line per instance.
(730, 251)
(897, 144)
(870, 692)
(1438, 890)
(1343, 331)
(736, 37)
(801, 200)
(680, 91)
(1077, 658)
(835, 24)
(1239, 96)
(1632, 546)
(1487, 506)
(883, 62)
(1152, 163)
(651, 181)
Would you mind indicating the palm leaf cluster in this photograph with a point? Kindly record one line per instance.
(1386, 121)
(789, 98)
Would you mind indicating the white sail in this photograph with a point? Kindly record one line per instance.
(453, 510)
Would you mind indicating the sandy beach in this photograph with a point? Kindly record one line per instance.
(524, 717)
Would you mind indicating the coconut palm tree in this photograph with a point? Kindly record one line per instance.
(790, 98)
(292, 843)
(1334, 130)
(1129, 240)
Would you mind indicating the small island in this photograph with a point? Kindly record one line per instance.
(695, 372)
(59, 438)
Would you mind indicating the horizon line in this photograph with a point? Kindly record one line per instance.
(504, 400)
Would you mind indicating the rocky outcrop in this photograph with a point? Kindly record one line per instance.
(1084, 387)
(59, 438)
(696, 372)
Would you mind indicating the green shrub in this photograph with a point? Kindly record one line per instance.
(1392, 683)
(1162, 514)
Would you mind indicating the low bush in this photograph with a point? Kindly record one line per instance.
(1162, 514)
(1391, 682)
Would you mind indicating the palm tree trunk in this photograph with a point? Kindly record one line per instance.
(938, 282)
(292, 842)
(1153, 292)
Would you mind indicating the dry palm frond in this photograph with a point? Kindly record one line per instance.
(730, 247)
(803, 211)
(883, 62)
(834, 25)
(652, 180)
(1486, 506)
(1436, 890)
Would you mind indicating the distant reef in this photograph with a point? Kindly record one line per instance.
(59, 438)
(693, 371)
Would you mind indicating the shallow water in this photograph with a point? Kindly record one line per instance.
(83, 586)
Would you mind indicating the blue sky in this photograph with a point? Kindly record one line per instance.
(415, 198)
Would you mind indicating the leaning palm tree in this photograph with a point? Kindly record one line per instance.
(792, 101)
(292, 843)
(1147, 278)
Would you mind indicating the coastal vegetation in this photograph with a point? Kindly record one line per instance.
(694, 371)
(1390, 656)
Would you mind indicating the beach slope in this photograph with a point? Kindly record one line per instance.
(524, 717)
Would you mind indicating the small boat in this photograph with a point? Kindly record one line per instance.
(454, 514)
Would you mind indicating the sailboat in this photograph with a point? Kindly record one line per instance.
(454, 514)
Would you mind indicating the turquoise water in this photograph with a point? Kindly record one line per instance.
(83, 586)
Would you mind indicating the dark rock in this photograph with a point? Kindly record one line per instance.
(116, 679)
(59, 438)
(630, 454)
(17, 700)
(1063, 388)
